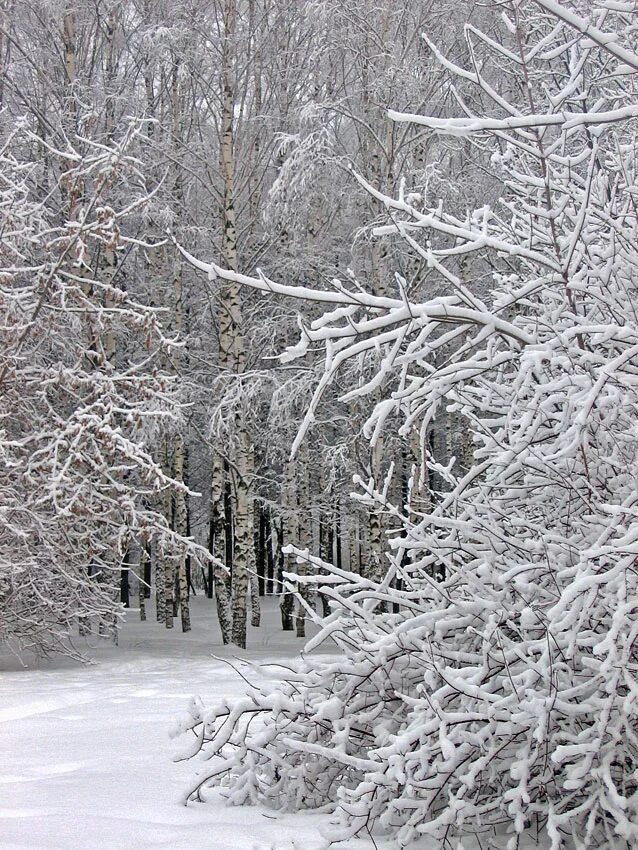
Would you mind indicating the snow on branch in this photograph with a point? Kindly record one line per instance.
(466, 126)
(607, 41)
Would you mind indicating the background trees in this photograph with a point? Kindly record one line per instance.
(252, 113)
(79, 418)
(488, 682)
(87, 394)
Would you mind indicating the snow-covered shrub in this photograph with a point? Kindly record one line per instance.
(498, 694)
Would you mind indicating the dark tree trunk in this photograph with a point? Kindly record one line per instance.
(337, 538)
(176, 588)
(206, 580)
(212, 533)
(176, 595)
(287, 608)
(326, 551)
(124, 580)
(144, 579)
(280, 557)
(261, 553)
(287, 604)
(148, 572)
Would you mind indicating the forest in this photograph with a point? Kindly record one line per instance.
(323, 315)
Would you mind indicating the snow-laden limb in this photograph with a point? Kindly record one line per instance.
(78, 419)
(370, 323)
(607, 41)
(488, 683)
(566, 121)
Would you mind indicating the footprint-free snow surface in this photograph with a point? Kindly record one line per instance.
(86, 758)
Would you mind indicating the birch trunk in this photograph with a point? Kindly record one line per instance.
(217, 546)
(255, 608)
(244, 550)
(160, 587)
(232, 345)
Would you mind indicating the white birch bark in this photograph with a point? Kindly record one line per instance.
(255, 608)
(160, 586)
(232, 345)
(222, 598)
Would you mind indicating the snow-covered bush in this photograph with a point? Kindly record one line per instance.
(81, 391)
(498, 693)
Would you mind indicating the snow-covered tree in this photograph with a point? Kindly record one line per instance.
(497, 692)
(82, 393)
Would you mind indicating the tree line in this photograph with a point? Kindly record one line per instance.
(243, 124)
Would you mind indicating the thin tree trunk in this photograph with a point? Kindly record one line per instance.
(338, 539)
(375, 556)
(143, 578)
(229, 536)
(270, 553)
(330, 543)
(179, 451)
(181, 522)
(290, 536)
(305, 540)
(125, 584)
(169, 563)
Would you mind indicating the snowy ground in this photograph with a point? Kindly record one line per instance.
(87, 759)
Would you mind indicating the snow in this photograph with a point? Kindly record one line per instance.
(88, 761)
